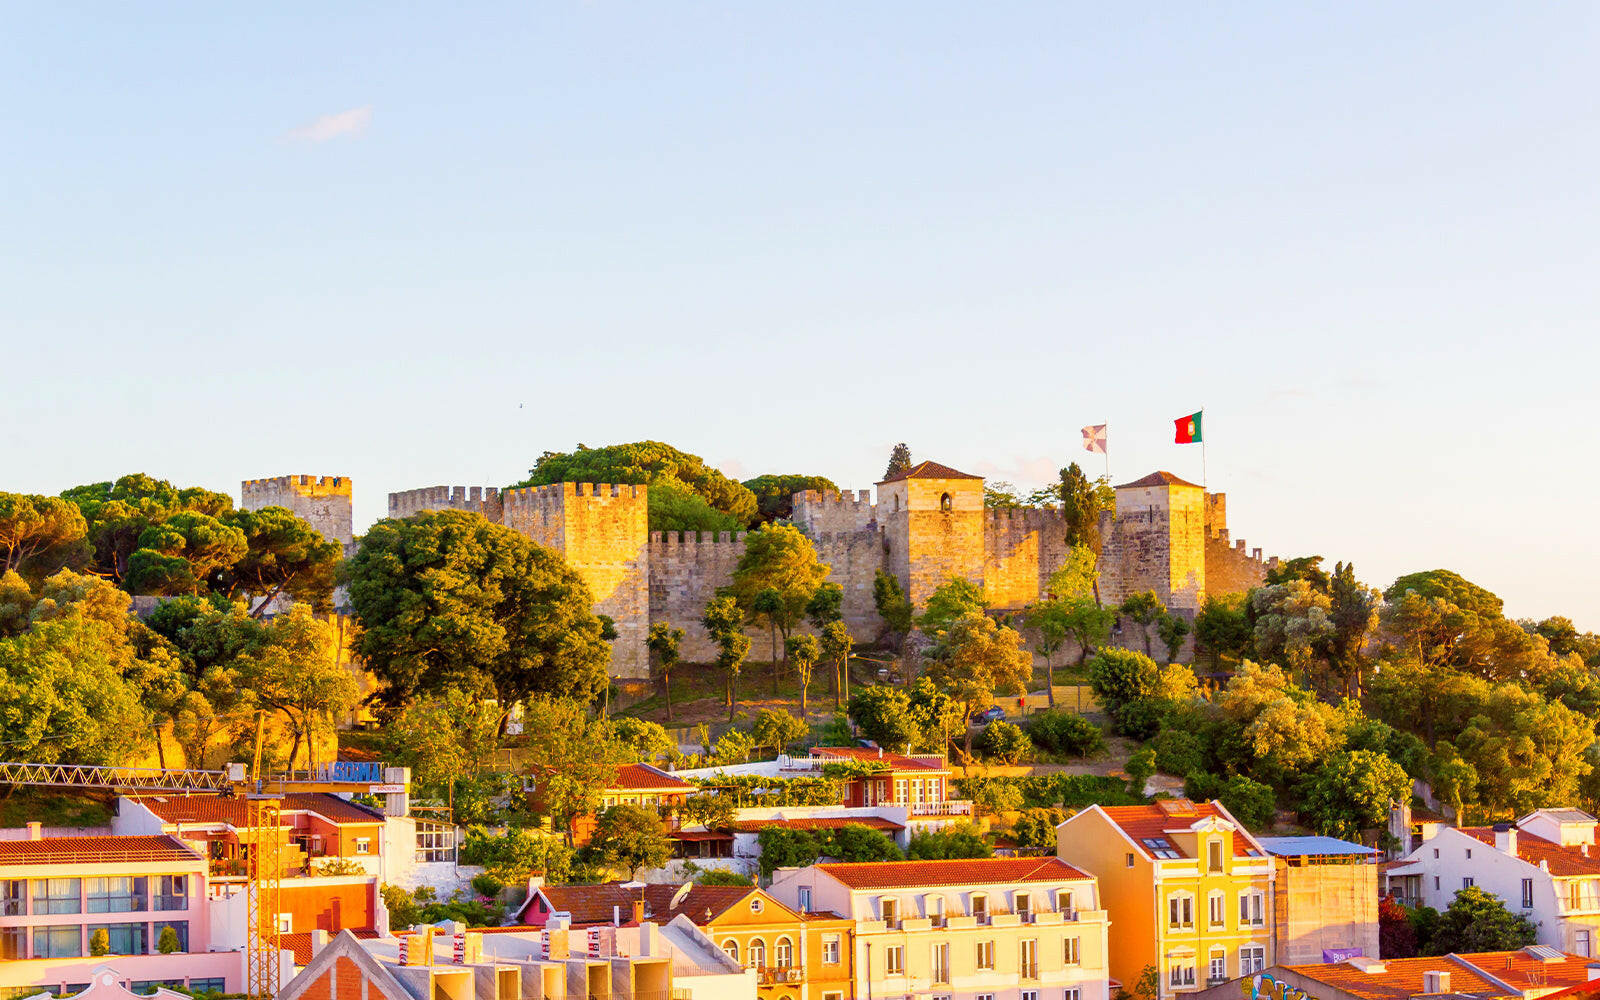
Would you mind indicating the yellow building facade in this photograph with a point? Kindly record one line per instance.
(1190, 891)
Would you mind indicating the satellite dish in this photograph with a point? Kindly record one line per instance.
(680, 895)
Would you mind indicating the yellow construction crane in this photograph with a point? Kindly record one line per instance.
(266, 873)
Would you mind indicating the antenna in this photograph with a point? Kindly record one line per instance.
(680, 895)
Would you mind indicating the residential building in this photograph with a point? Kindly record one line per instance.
(1545, 866)
(106, 984)
(1189, 890)
(1325, 908)
(795, 956)
(643, 785)
(1531, 973)
(978, 929)
(57, 893)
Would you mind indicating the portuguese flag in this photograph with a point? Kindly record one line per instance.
(1188, 428)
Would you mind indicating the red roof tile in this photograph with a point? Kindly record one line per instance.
(1534, 849)
(1149, 822)
(1158, 479)
(600, 904)
(1470, 974)
(233, 811)
(300, 943)
(973, 871)
(96, 850)
(873, 755)
(632, 777)
(817, 823)
(928, 470)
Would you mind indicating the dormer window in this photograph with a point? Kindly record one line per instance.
(1161, 848)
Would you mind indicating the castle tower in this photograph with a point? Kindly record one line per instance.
(321, 501)
(603, 531)
(932, 518)
(1157, 542)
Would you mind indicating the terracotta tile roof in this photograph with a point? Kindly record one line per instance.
(1143, 823)
(928, 470)
(300, 943)
(973, 871)
(631, 777)
(1473, 974)
(818, 823)
(1158, 479)
(96, 850)
(1534, 849)
(594, 904)
(233, 810)
(872, 755)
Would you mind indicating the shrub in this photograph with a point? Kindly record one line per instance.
(486, 884)
(717, 876)
(992, 795)
(963, 841)
(775, 731)
(1036, 828)
(167, 942)
(1251, 802)
(339, 866)
(1140, 767)
(1004, 741)
(1067, 733)
(100, 942)
(1178, 752)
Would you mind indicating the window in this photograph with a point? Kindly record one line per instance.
(939, 958)
(172, 892)
(1064, 903)
(894, 960)
(755, 904)
(1252, 959)
(1180, 911)
(1214, 855)
(11, 945)
(206, 985)
(1070, 993)
(120, 894)
(1467, 883)
(944, 501)
(805, 899)
(980, 907)
(1580, 942)
(1181, 974)
(13, 897)
(833, 995)
(830, 949)
(56, 895)
(363, 845)
(1128, 860)
(1161, 848)
(1030, 995)
(1069, 951)
(984, 996)
(1028, 959)
(890, 908)
(285, 923)
(434, 843)
(730, 948)
(1527, 893)
(123, 939)
(1217, 910)
(900, 791)
(1250, 909)
(179, 927)
(1436, 852)
(1436, 883)
(756, 954)
(986, 954)
(1025, 907)
(1469, 853)
(64, 941)
(1574, 896)
(1217, 968)
(783, 953)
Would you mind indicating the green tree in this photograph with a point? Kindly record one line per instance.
(975, 659)
(837, 644)
(570, 757)
(899, 461)
(1144, 610)
(1124, 680)
(1036, 829)
(180, 554)
(32, 526)
(1528, 752)
(1172, 629)
(1477, 921)
(1090, 625)
(1222, 628)
(782, 847)
(955, 598)
(1454, 780)
(99, 942)
(779, 570)
(952, 842)
(802, 652)
(724, 623)
(1352, 791)
(1353, 609)
(1303, 568)
(647, 741)
(1250, 802)
(890, 599)
(1293, 623)
(883, 715)
(283, 555)
(1141, 765)
(167, 941)
(446, 599)
(776, 731)
(1081, 503)
(668, 471)
(826, 605)
(630, 837)
(775, 494)
(718, 876)
(298, 673)
(1049, 621)
(1066, 733)
(662, 642)
(445, 738)
(1004, 742)
(63, 698)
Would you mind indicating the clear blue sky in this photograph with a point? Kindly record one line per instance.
(421, 248)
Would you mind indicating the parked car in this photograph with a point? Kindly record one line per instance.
(988, 715)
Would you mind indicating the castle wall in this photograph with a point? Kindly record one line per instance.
(826, 512)
(854, 559)
(1023, 548)
(321, 501)
(1231, 568)
(686, 568)
(483, 500)
(927, 543)
(1155, 541)
(605, 534)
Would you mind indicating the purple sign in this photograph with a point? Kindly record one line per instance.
(1340, 954)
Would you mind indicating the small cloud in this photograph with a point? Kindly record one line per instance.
(333, 126)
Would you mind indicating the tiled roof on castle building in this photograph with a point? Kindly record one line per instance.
(96, 850)
(644, 776)
(1158, 479)
(970, 871)
(928, 470)
(234, 812)
(1534, 849)
(1153, 822)
(1482, 975)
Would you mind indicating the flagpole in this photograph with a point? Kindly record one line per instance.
(1203, 484)
(1106, 453)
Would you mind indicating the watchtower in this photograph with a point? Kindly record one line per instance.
(932, 519)
(1157, 542)
(321, 501)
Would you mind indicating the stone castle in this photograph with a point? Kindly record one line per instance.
(928, 524)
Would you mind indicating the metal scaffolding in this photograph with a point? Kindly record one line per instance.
(140, 779)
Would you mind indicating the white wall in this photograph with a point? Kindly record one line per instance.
(1491, 870)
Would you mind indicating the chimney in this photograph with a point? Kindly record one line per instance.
(880, 751)
(535, 882)
(1436, 981)
(319, 941)
(35, 831)
(638, 911)
(1505, 838)
(616, 915)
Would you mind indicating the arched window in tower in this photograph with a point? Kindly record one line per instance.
(944, 501)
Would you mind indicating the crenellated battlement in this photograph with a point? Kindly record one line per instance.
(1030, 517)
(324, 502)
(818, 511)
(303, 485)
(484, 500)
(685, 539)
(829, 496)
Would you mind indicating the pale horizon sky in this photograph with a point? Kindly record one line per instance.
(420, 248)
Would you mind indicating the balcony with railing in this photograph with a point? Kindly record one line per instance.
(949, 807)
(772, 975)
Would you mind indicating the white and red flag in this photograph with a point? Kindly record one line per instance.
(1094, 439)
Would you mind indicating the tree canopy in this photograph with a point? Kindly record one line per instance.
(690, 490)
(775, 494)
